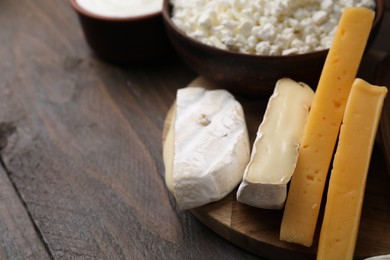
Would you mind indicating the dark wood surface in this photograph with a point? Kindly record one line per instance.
(81, 173)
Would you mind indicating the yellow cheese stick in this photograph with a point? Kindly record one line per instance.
(321, 130)
(350, 166)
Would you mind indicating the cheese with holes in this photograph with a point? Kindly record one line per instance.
(350, 167)
(210, 146)
(320, 134)
(275, 150)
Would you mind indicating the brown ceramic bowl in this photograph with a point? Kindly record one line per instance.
(245, 73)
(124, 40)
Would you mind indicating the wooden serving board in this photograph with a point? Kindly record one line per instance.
(257, 230)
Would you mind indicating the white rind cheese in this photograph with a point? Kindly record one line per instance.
(379, 257)
(168, 144)
(275, 150)
(210, 146)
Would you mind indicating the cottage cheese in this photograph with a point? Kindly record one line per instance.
(261, 27)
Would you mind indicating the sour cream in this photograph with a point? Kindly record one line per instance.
(121, 8)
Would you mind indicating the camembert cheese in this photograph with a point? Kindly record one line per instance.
(320, 134)
(275, 150)
(210, 146)
(350, 167)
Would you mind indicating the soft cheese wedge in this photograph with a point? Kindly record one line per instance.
(210, 146)
(275, 150)
(168, 144)
(349, 174)
(320, 134)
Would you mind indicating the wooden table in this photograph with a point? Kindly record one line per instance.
(81, 174)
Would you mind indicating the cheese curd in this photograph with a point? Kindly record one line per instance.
(261, 27)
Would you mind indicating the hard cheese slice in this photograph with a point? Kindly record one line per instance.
(320, 134)
(211, 146)
(275, 151)
(348, 177)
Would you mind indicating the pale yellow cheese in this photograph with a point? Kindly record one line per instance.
(350, 166)
(321, 130)
(275, 150)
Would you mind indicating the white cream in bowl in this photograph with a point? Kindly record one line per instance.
(121, 8)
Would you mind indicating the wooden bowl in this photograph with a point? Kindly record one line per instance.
(124, 40)
(245, 73)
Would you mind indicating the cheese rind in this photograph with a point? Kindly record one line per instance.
(211, 146)
(320, 134)
(168, 143)
(168, 151)
(275, 150)
(350, 167)
(378, 257)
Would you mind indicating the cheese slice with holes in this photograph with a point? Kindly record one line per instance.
(275, 150)
(321, 131)
(350, 167)
(210, 146)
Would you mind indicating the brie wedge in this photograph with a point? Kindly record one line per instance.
(207, 147)
(275, 150)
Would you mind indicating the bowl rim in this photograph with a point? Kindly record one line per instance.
(82, 11)
(166, 13)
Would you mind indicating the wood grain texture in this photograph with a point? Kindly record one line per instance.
(18, 239)
(85, 153)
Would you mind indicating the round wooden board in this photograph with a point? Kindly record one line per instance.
(257, 230)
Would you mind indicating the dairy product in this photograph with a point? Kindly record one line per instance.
(349, 173)
(278, 27)
(275, 151)
(379, 257)
(210, 146)
(168, 151)
(320, 134)
(121, 8)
